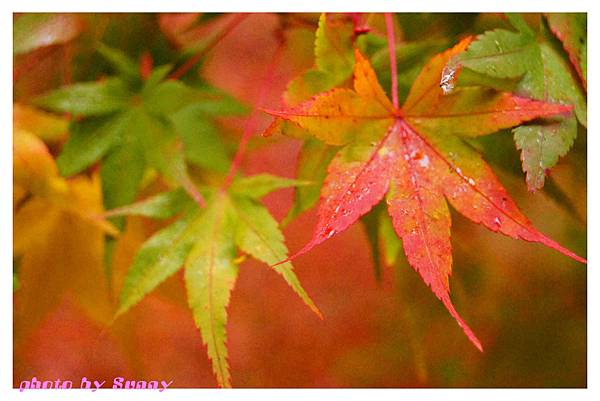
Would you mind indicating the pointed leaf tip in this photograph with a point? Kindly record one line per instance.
(556, 246)
(258, 234)
(445, 298)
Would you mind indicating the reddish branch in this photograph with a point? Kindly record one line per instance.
(252, 121)
(185, 67)
(146, 65)
(389, 23)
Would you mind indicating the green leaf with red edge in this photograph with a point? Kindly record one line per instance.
(415, 157)
(544, 73)
(571, 30)
(333, 59)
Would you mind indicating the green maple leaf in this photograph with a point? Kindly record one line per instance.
(539, 64)
(132, 124)
(206, 241)
(571, 30)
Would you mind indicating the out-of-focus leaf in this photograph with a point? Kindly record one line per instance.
(60, 249)
(33, 223)
(313, 160)
(89, 140)
(35, 173)
(371, 223)
(33, 166)
(571, 30)
(170, 96)
(382, 238)
(161, 206)
(390, 242)
(415, 26)
(87, 99)
(173, 24)
(259, 185)
(47, 126)
(122, 171)
(163, 150)
(124, 65)
(201, 141)
(144, 130)
(193, 32)
(156, 76)
(34, 30)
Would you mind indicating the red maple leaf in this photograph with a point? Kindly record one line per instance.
(416, 156)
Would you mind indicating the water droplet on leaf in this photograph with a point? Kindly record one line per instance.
(448, 77)
(329, 232)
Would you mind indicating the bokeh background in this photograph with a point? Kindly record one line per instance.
(526, 303)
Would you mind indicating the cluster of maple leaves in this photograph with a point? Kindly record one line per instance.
(359, 148)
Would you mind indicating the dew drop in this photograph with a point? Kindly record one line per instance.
(497, 222)
(448, 77)
(329, 232)
(424, 162)
(383, 152)
(471, 181)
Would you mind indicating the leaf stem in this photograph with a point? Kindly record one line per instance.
(252, 120)
(185, 67)
(389, 24)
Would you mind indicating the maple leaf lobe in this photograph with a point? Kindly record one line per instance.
(417, 159)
